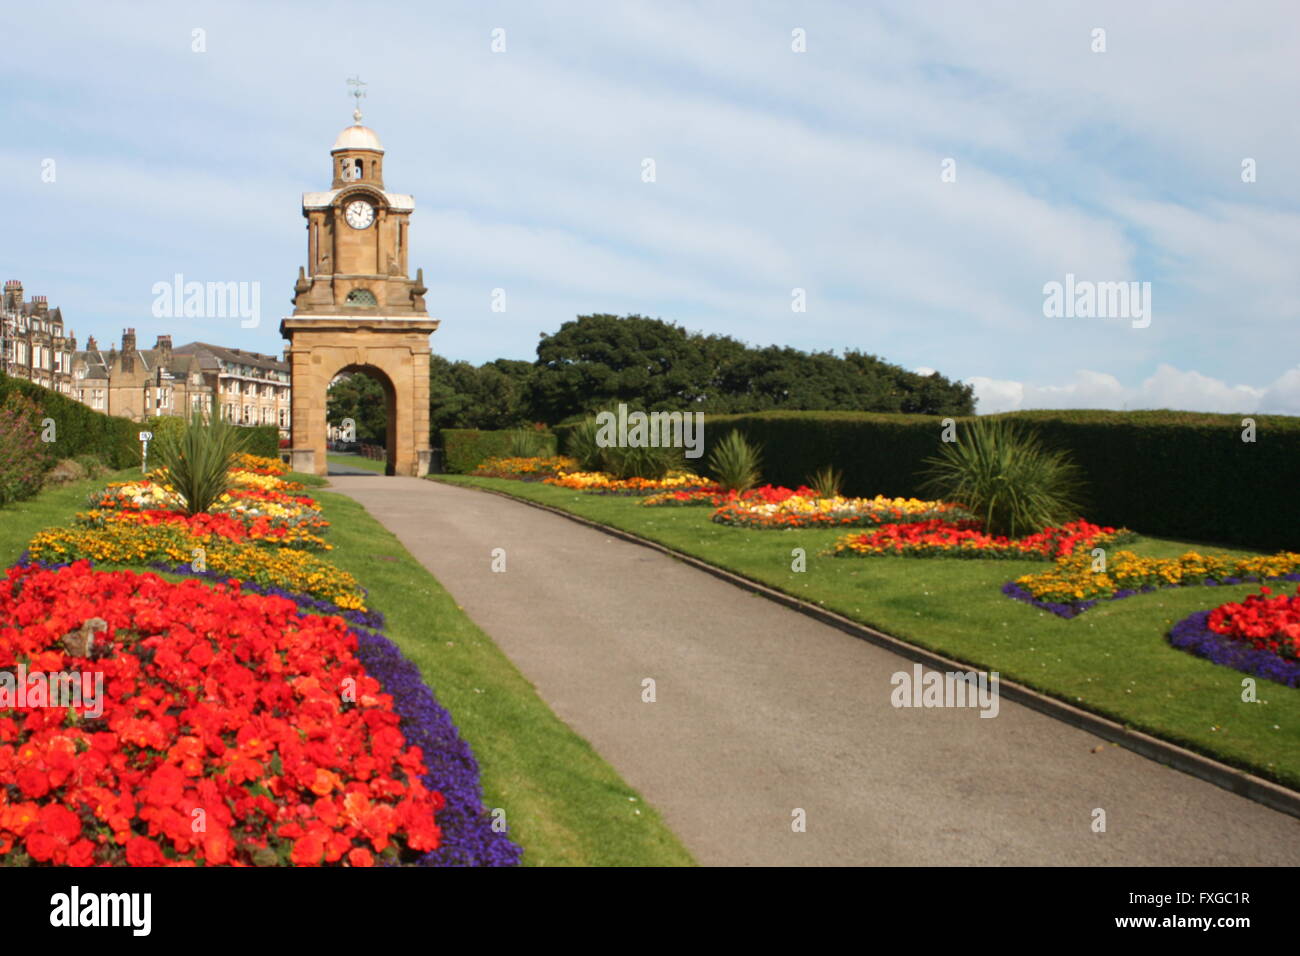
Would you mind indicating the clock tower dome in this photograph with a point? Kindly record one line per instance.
(356, 310)
(358, 237)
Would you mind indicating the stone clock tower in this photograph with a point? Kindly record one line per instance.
(356, 308)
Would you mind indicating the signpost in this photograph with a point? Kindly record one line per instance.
(144, 452)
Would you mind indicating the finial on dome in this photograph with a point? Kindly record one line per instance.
(356, 83)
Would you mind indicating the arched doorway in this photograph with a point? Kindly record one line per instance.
(361, 415)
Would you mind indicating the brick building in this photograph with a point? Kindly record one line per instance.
(32, 341)
(250, 388)
(139, 383)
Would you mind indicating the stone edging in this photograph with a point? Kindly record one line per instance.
(1270, 794)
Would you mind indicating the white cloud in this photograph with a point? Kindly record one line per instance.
(1167, 387)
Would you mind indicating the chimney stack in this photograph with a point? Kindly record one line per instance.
(13, 294)
(128, 350)
(91, 344)
(164, 347)
(40, 306)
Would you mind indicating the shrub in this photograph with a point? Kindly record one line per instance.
(1005, 477)
(79, 430)
(198, 460)
(23, 456)
(580, 444)
(734, 463)
(526, 444)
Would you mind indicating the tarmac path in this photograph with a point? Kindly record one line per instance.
(761, 711)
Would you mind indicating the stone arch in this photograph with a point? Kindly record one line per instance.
(393, 351)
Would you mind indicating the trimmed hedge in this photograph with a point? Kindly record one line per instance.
(464, 448)
(264, 441)
(78, 429)
(1171, 474)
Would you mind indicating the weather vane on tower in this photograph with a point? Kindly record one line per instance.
(356, 83)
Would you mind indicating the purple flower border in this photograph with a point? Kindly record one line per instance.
(467, 835)
(1193, 634)
(1069, 609)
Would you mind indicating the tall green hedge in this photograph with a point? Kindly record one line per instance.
(1172, 474)
(78, 429)
(464, 448)
(264, 441)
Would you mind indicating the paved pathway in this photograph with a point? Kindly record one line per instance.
(762, 710)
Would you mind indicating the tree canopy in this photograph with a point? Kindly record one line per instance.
(597, 361)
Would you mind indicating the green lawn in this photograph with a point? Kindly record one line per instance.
(1113, 659)
(563, 803)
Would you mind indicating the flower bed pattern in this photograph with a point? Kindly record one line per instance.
(964, 539)
(343, 823)
(602, 483)
(288, 568)
(803, 509)
(525, 469)
(1073, 587)
(714, 496)
(1194, 634)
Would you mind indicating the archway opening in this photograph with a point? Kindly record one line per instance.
(361, 415)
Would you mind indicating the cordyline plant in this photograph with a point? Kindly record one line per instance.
(735, 464)
(826, 481)
(1006, 477)
(620, 461)
(198, 458)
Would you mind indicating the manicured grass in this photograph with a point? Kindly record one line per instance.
(1114, 659)
(564, 804)
(356, 461)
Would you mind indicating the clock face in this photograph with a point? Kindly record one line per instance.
(359, 214)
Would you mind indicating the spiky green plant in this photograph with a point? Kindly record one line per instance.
(826, 481)
(1005, 476)
(526, 443)
(735, 464)
(581, 445)
(197, 458)
(640, 462)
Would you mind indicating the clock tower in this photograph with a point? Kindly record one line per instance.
(357, 310)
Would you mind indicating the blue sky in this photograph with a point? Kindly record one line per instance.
(775, 170)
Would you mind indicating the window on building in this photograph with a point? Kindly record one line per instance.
(284, 417)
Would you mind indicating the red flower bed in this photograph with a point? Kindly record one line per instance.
(964, 538)
(222, 525)
(1270, 623)
(232, 704)
(715, 496)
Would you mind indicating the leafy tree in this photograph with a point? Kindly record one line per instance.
(361, 398)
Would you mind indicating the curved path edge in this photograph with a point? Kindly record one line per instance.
(1243, 783)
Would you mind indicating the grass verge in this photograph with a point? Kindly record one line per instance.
(1113, 660)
